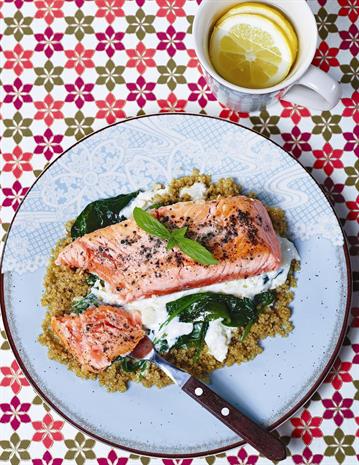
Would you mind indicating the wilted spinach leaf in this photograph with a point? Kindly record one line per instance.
(130, 365)
(80, 305)
(101, 213)
(195, 338)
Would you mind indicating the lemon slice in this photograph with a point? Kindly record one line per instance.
(270, 13)
(250, 51)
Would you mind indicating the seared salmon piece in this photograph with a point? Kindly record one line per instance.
(237, 230)
(98, 335)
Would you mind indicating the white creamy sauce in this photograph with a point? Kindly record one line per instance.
(143, 200)
(197, 191)
(218, 336)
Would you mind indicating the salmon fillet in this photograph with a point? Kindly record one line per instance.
(237, 230)
(98, 335)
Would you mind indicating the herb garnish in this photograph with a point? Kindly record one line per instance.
(176, 237)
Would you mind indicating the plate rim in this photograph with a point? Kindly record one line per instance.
(321, 377)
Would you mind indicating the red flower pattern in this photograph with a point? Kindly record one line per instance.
(141, 91)
(79, 92)
(112, 459)
(352, 107)
(49, 42)
(306, 427)
(172, 104)
(307, 458)
(353, 206)
(171, 40)
(141, 57)
(350, 39)
(17, 162)
(110, 41)
(48, 144)
(15, 413)
(193, 61)
(200, 92)
(339, 374)
(79, 58)
(110, 9)
(242, 458)
(49, 109)
(13, 195)
(110, 108)
(49, 10)
(171, 9)
(13, 377)
(325, 56)
(47, 430)
(17, 93)
(232, 115)
(337, 408)
(293, 111)
(334, 191)
(296, 141)
(352, 139)
(18, 59)
(47, 459)
(328, 159)
(350, 9)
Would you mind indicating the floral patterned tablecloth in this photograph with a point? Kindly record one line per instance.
(72, 67)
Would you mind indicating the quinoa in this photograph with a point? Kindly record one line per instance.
(62, 285)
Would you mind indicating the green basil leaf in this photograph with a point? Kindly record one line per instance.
(101, 213)
(179, 233)
(80, 305)
(171, 243)
(196, 251)
(91, 279)
(149, 224)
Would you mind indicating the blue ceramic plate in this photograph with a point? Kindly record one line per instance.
(135, 154)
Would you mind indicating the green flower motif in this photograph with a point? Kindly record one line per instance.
(141, 458)
(110, 75)
(79, 126)
(140, 24)
(79, 25)
(210, 459)
(171, 74)
(38, 401)
(190, 19)
(356, 385)
(326, 124)
(14, 451)
(5, 343)
(353, 175)
(339, 445)
(80, 449)
(351, 73)
(18, 25)
(325, 22)
(17, 127)
(49, 76)
(265, 124)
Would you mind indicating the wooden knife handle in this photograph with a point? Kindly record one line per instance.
(256, 436)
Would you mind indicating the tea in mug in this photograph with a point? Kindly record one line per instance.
(253, 45)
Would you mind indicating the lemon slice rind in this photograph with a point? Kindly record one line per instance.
(269, 12)
(238, 35)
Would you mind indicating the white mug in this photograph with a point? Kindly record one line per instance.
(305, 85)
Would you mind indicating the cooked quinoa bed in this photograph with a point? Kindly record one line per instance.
(62, 285)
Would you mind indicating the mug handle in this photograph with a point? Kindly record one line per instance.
(315, 89)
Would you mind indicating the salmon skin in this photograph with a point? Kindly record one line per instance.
(98, 335)
(237, 230)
